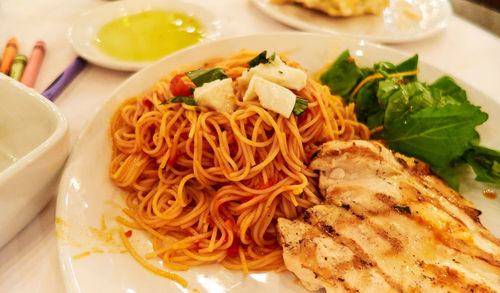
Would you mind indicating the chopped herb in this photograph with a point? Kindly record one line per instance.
(201, 76)
(181, 99)
(403, 209)
(261, 58)
(280, 72)
(346, 206)
(301, 195)
(300, 106)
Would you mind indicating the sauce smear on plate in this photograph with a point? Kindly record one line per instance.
(148, 35)
(488, 193)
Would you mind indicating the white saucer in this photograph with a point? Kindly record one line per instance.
(82, 34)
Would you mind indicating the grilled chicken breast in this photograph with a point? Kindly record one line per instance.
(387, 225)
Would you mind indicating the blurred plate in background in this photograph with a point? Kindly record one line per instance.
(402, 21)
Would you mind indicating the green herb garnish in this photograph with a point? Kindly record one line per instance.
(261, 58)
(181, 99)
(346, 206)
(300, 106)
(403, 209)
(201, 76)
(432, 122)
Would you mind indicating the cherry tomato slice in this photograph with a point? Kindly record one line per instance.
(179, 87)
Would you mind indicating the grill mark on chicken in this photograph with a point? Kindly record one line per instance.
(323, 274)
(446, 276)
(361, 260)
(444, 235)
(360, 204)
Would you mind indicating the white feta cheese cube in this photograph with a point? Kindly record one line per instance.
(217, 94)
(272, 96)
(278, 72)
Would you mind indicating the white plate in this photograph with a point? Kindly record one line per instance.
(393, 26)
(86, 194)
(83, 33)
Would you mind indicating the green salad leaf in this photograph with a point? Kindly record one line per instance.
(344, 75)
(432, 122)
(485, 163)
(435, 135)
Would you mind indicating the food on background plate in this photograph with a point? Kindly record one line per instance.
(208, 166)
(387, 224)
(341, 7)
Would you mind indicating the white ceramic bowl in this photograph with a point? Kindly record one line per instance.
(82, 34)
(33, 148)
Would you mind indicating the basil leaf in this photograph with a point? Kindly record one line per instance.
(182, 99)
(300, 106)
(201, 76)
(261, 59)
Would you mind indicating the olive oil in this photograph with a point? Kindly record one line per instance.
(148, 35)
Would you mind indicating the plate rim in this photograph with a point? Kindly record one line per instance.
(69, 279)
(278, 15)
(212, 29)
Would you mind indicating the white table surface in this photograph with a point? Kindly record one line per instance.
(29, 262)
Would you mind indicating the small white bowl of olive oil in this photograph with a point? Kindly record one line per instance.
(130, 34)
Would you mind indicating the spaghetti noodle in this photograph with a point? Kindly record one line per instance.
(209, 186)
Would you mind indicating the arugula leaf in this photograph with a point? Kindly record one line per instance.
(367, 108)
(485, 162)
(300, 106)
(261, 58)
(404, 98)
(384, 68)
(181, 99)
(446, 88)
(436, 135)
(343, 76)
(410, 64)
(201, 76)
